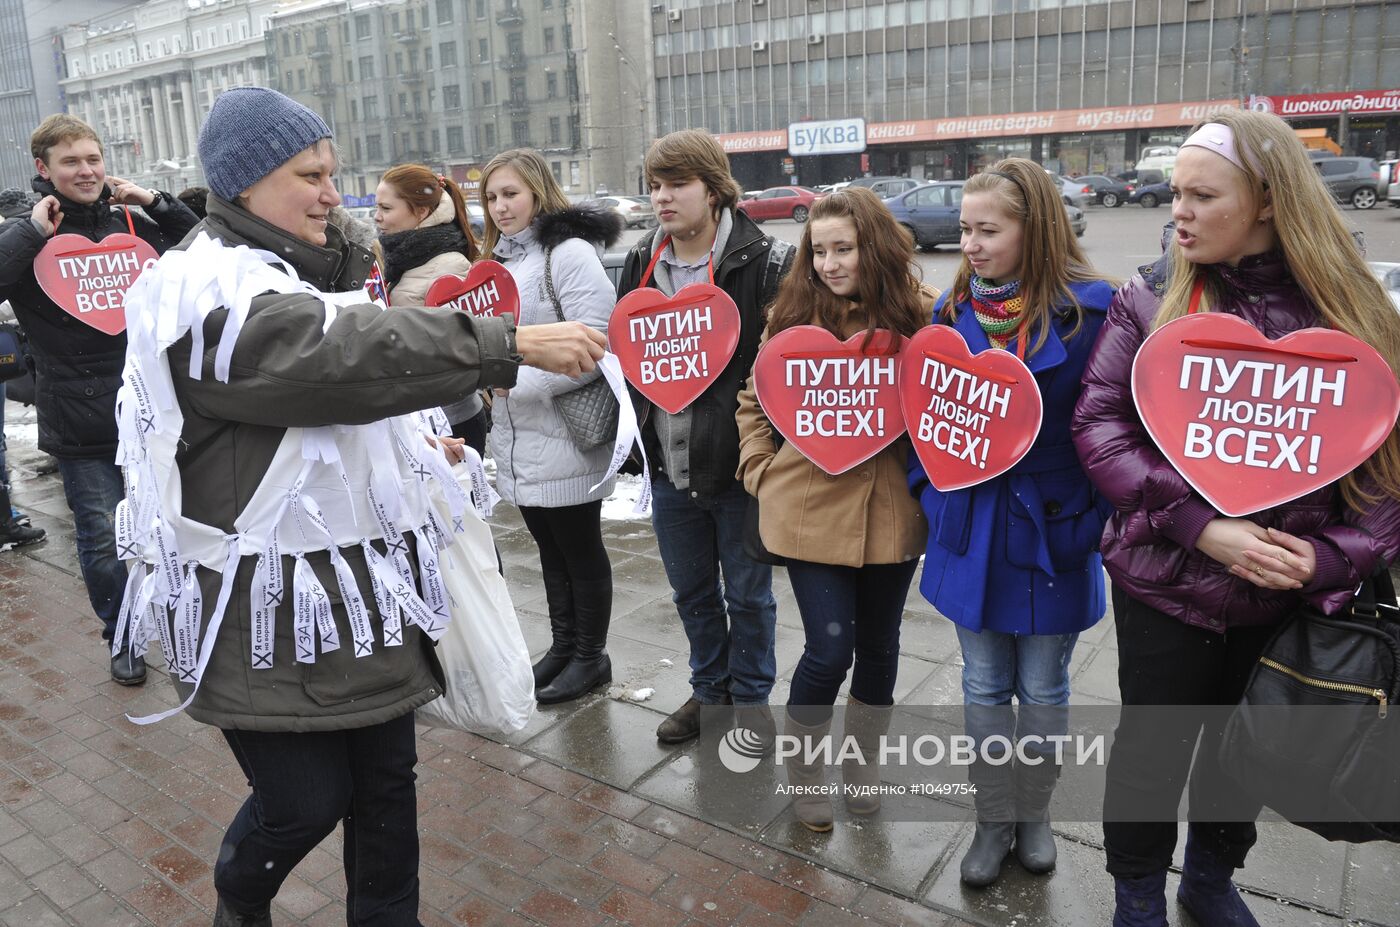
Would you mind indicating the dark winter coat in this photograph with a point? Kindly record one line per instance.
(78, 368)
(1149, 545)
(749, 270)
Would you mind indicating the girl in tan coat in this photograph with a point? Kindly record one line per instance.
(852, 542)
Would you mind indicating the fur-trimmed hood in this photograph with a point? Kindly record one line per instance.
(594, 223)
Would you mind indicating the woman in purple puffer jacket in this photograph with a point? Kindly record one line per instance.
(1196, 595)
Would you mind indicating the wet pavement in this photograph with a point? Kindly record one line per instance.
(581, 818)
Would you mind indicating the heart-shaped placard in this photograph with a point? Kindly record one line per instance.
(836, 402)
(672, 348)
(971, 416)
(487, 289)
(1252, 423)
(88, 279)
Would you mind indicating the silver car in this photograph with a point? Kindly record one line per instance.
(1073, 192)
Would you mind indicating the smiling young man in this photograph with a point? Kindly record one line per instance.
(724, 597)
(77, 367)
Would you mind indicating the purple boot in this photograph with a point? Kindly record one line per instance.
(1140, 902)
(1206, 890)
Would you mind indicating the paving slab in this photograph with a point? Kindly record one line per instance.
(608, 740)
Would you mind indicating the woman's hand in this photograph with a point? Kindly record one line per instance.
(452, 448)
(1269, 559)
(570, 348)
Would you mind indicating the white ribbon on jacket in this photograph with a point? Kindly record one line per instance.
(327, 488)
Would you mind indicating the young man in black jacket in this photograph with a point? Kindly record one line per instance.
(79, 368)
(724, 597)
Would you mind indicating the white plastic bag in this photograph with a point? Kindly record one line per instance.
(490, 685)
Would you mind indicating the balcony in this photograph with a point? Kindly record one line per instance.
(510, 14)
(413, 77)
(512, 62)
(517, 107)
(320, 51)
(320, 89)
(408, 35)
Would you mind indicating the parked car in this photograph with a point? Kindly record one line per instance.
(635, 214)
(477, 217)
(1107, 191)
(1073, 192)
(931, 213)
(1389, 276)
(1151, 195)
(781, 203)
(886, 187)
(1352, 180)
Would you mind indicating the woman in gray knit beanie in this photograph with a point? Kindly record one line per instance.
(329, 739)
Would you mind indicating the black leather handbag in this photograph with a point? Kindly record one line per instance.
(1317, 735)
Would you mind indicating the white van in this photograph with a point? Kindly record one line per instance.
(1157, 158)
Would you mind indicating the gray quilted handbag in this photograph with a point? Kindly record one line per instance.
(589, 412)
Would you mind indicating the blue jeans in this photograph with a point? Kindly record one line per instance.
(306, 783)
(93, 487)
(731, 627)
(851, 615)
(1032, 667)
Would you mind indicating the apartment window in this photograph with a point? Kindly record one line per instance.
(228, 34)
(394, 23)
(482, 51)
(480, 9)
(243, 30)
(398, 63)
(297, 42)
(349, 71)
(374, 148)
(405, 141)
(196, 41)
(148, 55)
(427, 59)
(163, 51)
(372, 108)
(486, 97)
(301, 78)
(362, 27)
(357, 149)
(121, 58)
(575, 177)
(455, 142)
(551, 84)
(451, 96)
(286, 46)
(520, 133)
(517, 89)
(447, 54)
(546, 4)
(355, 115)
(444, 11)
(413, 61)
(557, 169)
(490, 137)
(554, 130)
(408, 23)
(288, 85)
(515, 44)
(575, 134)
(403, 104)
(437, 141)
(549, 39)
(418, 102)
(106, 60)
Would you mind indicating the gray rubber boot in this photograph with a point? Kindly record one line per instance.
(996, 823)
(1035, 841)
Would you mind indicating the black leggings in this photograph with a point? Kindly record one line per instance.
(577, 571)
(1162, 661)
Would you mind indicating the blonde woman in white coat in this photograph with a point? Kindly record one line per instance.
(538, 466)
(425, 233)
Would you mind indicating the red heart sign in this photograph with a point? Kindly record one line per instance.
(837, 403)
(672, 348)
(88, 280)
(487, 289)
(971, 417)
(1252, 423)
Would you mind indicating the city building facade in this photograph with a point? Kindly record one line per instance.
(31, 52)
(145, 76)
(450, 83)
(941, 88)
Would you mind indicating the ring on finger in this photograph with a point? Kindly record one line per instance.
(1259, 570)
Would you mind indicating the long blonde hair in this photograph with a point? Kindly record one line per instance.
(1321, 255)
(534, 173)
(1051, 258)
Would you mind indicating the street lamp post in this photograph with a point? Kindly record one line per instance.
(640, 81)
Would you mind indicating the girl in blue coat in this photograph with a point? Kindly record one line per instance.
(1013, 562)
